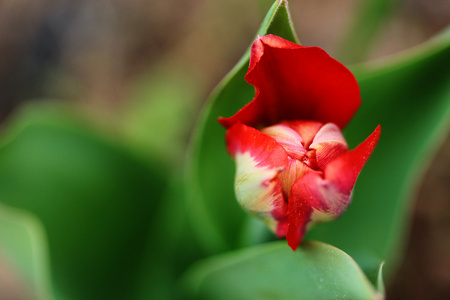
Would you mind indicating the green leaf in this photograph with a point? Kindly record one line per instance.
(94, 198)
(375, 275)
(23, 246)
(274, 271)
(409, 95)
(370, 17)
(380, 282)
(214, 211)
(168, 252)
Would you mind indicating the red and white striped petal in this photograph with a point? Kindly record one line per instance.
(314, 198)
(290, 136)
(307, 129)
(259, 159)
(287, 137)
(308, 203)
(329, 143)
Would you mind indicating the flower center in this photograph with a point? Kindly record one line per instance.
(297, 168)
(310, 159)
(310, 147)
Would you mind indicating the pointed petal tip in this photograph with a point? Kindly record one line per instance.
(292, 245)
(374, 137)
(369, 144)
(377, 132)
(344, 170)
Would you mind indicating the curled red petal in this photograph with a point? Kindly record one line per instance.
(344, 170)
(294, 82)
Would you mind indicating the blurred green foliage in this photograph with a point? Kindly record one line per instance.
(358, 40)
(159, 113)
(94, 198)
(23, 242)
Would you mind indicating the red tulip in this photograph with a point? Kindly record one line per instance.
(293, 165)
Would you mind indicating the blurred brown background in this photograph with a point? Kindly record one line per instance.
(94, 52)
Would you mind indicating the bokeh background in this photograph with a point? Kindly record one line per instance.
(141, 70)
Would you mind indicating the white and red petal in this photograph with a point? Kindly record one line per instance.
(322, 195)
(294, 170)
(290, 136)
(306, 129)
(287, 137)
(326, 197)
(329, 143)
(259, 159)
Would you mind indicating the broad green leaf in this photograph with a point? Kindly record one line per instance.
(94, 198)
(214, 212)
(274, 271)
(409, 95)
(23, 248)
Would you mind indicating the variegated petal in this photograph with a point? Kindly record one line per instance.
(259, 159)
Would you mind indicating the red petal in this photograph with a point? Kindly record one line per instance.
(313, 198)
(344, 170)
(294, 82)
(299, 216)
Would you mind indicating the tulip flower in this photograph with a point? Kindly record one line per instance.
(293, 165)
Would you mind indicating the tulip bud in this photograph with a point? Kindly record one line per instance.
(297, 170)
(295, 173)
